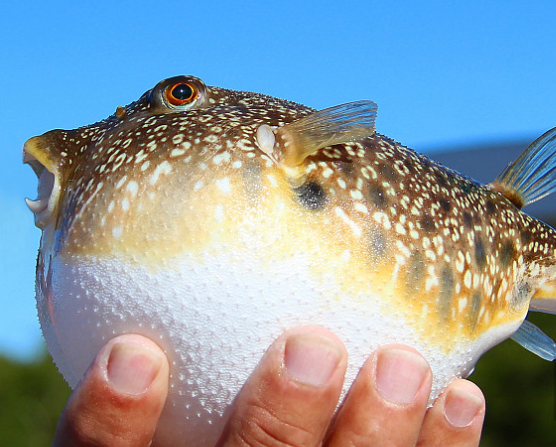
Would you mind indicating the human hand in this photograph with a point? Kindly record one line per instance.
(289, 399)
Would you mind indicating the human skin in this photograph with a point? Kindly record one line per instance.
(289, 399)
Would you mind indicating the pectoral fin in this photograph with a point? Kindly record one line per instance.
(533, 339)
(291, 144)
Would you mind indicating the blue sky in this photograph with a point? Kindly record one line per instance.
(442, 73)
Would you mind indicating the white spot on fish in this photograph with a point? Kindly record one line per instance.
(342, 215)
(118, 162)
(383, 219)
(403, 249)
(177, 139)
(177, 152)
(430, 282)
(117, 232)
(121, 182)
(132, 187)
(467, 279)
(224, 185)
(400, 229)
(162, 168)
(222, 157)
(358, 206)
(245, 145)
(272, 181)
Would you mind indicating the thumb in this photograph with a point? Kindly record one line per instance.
(119, 400)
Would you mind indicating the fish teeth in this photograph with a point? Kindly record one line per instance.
(45, 188)
(37, 206)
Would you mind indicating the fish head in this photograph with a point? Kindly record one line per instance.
(124, 182)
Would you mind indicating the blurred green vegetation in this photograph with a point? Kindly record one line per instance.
(519, 391)
(518, 385)
(32, 396)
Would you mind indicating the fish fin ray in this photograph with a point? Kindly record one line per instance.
(533, 339)
(339, 124)
(533, 175)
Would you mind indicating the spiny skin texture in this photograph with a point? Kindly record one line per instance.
(173, 204)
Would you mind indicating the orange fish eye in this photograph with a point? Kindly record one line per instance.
(180, 93)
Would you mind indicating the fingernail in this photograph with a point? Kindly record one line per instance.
(132, 368)
(461, 407)
(311, 359)
(399, 375)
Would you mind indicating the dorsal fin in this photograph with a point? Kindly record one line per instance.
(533, 175)
(340, 124)
(533, 339)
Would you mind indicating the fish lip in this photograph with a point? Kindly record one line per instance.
(48, 190)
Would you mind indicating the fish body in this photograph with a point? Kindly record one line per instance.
(211, 220)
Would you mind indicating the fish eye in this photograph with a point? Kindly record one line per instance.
(180, 93)
(177, 94)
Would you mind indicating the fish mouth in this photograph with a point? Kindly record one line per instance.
(48, 190)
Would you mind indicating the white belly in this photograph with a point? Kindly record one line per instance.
(215, 317)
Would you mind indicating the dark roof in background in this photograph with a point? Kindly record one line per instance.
(485, 161)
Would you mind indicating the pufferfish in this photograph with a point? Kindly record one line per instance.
(211, 220)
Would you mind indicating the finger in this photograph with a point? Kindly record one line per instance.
(292, 394)
(119, 400)
(387, 401)
(456, 418)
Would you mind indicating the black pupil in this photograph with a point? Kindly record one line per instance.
(182, 92)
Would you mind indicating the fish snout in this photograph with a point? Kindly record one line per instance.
(48, 190)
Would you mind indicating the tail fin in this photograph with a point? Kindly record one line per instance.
(530, 178)
(533, 175)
